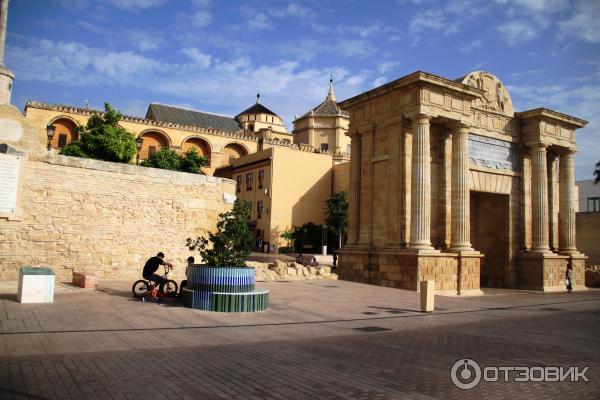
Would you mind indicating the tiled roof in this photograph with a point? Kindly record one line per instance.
(328, 107)
(258, 109)
(184, 116)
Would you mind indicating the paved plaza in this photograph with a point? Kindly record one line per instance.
(319, 340)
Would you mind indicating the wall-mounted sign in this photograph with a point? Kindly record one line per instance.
(9, 182)
(493, 153)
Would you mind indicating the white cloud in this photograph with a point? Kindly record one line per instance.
(292, 10)
(259, 21)
(536, 6)
(75, 64)
(470, 46)
(387, 66)
(582, 101)
(583, 24)
(135, 4)
(201, 59)
(380, 80)
(518, 31)
(93, 27)
(201, 18)
(354, 48)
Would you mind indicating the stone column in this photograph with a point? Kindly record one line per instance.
(461, 234)
(539, 199)
(3, 18)
(566, 215)
(420, 220)
(552, 201)
(354, 195)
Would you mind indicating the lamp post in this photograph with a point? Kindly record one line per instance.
(50, 129)
(324, 240)
(138, 145)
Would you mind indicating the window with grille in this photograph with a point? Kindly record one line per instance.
(62, 140)
(259, 209)
(249, 179)
(593, 204)
(238, 186)
(261, 178)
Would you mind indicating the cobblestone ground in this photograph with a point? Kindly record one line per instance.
(319, 340)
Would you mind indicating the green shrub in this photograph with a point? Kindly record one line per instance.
(103, 139)
(73, 149)
(192, 161)
(165, 158)
(230, 245)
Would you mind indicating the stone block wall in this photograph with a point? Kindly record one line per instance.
(404, 270)
(107, 218)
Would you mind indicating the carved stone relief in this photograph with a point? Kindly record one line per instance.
(495, 96)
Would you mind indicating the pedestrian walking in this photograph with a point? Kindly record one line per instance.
(569, 278)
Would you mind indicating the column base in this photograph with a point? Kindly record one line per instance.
(547, 272)
(453, 274)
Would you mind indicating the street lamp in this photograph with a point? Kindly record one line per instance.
(50, 129)
(324, 240)
(138, 145)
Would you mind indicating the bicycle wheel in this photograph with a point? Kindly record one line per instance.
(170, 288)
(140, 288)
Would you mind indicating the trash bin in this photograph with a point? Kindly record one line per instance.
(36, 285)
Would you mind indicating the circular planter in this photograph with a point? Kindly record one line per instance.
(224, 289)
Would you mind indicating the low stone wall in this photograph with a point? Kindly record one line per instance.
(107, 218)
(281, 270)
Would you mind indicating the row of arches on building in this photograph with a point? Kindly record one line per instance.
(153, 141)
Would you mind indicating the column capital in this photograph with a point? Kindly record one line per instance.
(459, 125)
(421, 118)
(537, 145)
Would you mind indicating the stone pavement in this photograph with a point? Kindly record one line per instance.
(319, 340)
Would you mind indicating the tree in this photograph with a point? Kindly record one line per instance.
(287, 235)
(597, 173)
(166, 158)
(103, 139)
(336, 214)
(230, 245)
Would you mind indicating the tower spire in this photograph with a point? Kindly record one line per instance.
(331, 94)
(6, 75)
(258, 97)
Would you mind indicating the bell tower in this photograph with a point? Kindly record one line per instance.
(6, 75)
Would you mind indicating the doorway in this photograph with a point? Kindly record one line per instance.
(489, 235)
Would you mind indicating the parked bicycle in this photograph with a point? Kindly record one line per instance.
(145, 288)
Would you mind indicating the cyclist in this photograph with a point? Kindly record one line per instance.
(151, 267)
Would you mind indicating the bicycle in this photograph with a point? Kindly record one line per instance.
(144, 288)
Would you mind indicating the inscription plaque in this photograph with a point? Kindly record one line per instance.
(493, 153)
(9, 182)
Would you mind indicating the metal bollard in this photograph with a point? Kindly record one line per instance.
(427, 295)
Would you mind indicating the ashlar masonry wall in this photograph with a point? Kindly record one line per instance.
(107, 218)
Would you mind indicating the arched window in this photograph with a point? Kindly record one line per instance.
(65, 132)
(153, 142)
(202, 146)
(231, 152)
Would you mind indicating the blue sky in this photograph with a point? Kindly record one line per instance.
(214, 55)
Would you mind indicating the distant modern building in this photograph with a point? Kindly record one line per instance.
(589, 196)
